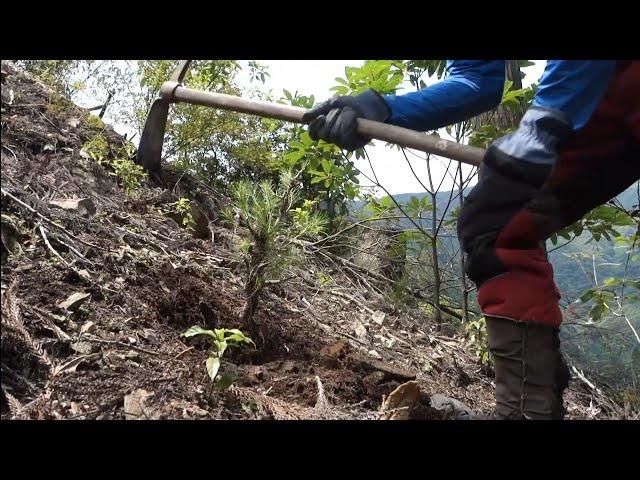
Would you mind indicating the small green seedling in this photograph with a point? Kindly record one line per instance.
(477, 337)
(129, 174)
(97, 149)
(222, 339)
(183, 208)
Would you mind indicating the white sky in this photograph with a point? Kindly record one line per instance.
(316, 77)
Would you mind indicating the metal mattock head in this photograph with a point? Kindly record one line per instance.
(180, 71)
(150, 148)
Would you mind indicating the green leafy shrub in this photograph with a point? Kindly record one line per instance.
(95, 122)
(182, 207)
(97, 149)
(128, 173)
(478, 338)
(384, 76)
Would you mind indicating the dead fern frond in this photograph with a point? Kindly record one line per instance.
(12, 319)
(15, 407)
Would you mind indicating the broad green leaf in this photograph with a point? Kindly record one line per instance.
(234, 335)
(596, 312)
(293, 157)
(195, 330)
(224, 381)
(213, 365)
(306, 139)
(612, 281)
(221, 347)
(586, 296)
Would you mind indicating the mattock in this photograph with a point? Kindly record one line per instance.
(173, 91)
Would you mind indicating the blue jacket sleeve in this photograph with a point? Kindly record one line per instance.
(470, 88)
(568, 94)
(574, 87)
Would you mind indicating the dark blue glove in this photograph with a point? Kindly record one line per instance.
(335, 121)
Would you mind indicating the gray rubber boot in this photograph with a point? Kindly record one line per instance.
(530, 373)
(451, 408)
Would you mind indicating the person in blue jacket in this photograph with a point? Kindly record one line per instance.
(577, 146)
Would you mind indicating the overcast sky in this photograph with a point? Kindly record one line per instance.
(316, 77)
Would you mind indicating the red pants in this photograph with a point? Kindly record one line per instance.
(599, 162)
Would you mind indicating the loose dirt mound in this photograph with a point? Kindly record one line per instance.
(134, 280)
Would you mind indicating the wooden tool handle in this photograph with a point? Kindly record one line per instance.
(174, 92)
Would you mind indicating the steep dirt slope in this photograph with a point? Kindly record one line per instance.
(134, 280)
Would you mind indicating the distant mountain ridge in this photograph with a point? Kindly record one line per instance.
(568, 274)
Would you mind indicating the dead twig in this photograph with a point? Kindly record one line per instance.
(352, 299)
(51, 249)
(50, 222)
(49, 323)
(183, 352)
(120, 344)
(77, 253)
(12, 152)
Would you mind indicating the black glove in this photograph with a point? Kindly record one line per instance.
(335, 121)
(512, 173)
(492, 203)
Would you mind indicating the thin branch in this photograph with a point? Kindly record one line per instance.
(50, 222)
(412, 171)
(359, 223)
(51, 249)
(352, 299)
(564, 244)
(422, 230)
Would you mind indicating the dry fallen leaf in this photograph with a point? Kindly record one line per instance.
(360, 330)
(134, 404)
(399, 404)
(87, 327)
(85, 205)
(73, 302)
(378, 317)
(72, 365)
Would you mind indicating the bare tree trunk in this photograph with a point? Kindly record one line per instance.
(436, 266)
(463, 277)
(253, 286)
(464, 292)
(434, 248)
(503, 117)
(251, 302)
(512, 72)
